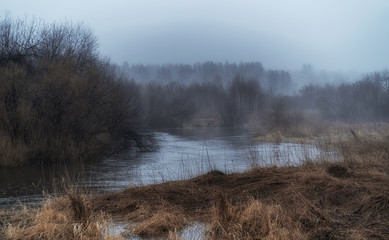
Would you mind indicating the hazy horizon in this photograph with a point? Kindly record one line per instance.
(333, 35)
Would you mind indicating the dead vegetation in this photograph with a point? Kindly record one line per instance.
(165, 222)
(67, 217)
(310, 128)
(252, 220)
(346, 199)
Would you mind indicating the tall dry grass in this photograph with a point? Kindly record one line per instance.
(252, 220)
(163, 223)
(67, 217)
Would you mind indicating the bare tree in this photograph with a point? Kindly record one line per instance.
(18, 41)
(74, 42)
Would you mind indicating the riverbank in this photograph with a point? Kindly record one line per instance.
(318, 200)
(319, 132)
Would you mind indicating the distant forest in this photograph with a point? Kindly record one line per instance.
(173, 94)
(277, 81)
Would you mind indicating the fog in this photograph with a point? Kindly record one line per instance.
(334, 35)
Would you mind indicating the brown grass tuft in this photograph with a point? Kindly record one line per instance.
(163, 223)
(64, 218)
(252, 220)
(80, 207)
(378, 203)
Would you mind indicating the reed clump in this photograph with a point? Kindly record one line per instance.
(163, 223)
(252, 220)
(67, 217)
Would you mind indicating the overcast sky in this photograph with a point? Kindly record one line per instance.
(332, 34)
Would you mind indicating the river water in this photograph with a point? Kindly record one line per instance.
(181, 154)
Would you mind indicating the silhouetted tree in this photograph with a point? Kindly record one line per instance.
(242, 98)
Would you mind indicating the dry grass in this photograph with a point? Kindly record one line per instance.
(312, 129)
(163, 223)
(68, 217)
(252, 220)
(323, 199)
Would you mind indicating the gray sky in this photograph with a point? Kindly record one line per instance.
(331, 34)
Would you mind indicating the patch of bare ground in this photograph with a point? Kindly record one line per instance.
(347, 199)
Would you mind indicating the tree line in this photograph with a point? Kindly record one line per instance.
(365, 100)
(59, 100)
(262, 93)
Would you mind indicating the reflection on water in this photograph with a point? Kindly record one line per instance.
(182, 154)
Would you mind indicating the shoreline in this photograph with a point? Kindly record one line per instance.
(319, 199)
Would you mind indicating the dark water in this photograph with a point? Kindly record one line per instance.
(181, 154)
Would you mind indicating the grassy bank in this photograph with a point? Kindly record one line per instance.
(312, 129)
(320, 199)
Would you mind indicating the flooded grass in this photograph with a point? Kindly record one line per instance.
(323, 198)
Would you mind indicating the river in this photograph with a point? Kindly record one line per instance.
(181, 154)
